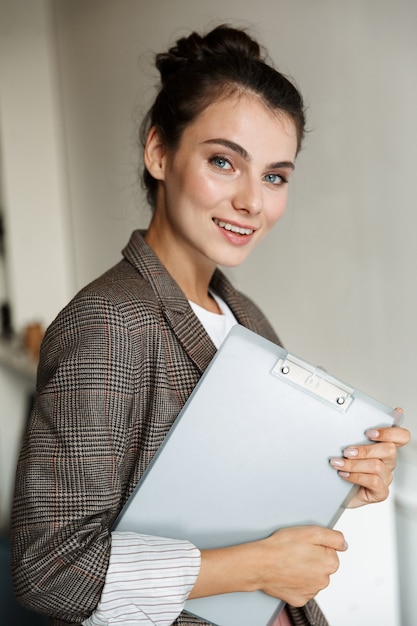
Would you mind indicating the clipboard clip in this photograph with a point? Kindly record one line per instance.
(314, 380)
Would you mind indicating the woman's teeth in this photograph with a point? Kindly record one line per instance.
(234, 229)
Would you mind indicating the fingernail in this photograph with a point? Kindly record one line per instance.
(346, 546)
(337, 462)
(350, 452)
(344, 474)
(372, 433)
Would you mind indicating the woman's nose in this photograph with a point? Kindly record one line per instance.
(248, 196)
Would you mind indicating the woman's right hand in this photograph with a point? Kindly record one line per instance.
(297, 562)
(292, 564)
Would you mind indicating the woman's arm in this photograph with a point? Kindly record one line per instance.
(147, 582)
(70, 472)
(293, 564)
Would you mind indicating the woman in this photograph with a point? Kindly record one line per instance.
(121, 359)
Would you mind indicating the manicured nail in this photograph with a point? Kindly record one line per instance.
(350, 452)
(344, 474)
(337, 462)
(372, 433)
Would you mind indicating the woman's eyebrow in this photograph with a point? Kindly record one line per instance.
(232, 146)
(245, 155)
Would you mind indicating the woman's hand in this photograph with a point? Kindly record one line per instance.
(298, 562)
(292, 564)
(371, 466)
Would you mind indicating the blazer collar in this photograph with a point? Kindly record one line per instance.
(174, 304)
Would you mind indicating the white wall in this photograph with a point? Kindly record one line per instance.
(34, 192)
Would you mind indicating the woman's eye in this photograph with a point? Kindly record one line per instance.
(221, 163)
(275, 179)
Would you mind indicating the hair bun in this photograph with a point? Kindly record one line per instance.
(224, 41)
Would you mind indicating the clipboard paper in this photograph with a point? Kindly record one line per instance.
(249, 454)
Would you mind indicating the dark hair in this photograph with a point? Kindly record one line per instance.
(199, 70)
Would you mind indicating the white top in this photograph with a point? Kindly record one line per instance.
(150, 578)
(217, 326)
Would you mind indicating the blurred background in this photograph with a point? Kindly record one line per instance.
(337, 275)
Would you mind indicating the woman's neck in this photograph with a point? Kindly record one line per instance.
(192, 275)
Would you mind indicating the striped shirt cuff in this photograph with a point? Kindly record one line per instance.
(148, 580)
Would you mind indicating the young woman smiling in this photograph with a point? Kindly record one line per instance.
(120, 361)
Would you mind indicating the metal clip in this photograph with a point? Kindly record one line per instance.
(314, 380)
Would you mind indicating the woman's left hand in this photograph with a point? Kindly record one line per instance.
(371, 466)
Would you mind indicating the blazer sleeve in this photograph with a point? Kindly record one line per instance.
(70, 477)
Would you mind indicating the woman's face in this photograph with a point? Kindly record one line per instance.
(225, 185)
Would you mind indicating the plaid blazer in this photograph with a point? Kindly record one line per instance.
(116, 367)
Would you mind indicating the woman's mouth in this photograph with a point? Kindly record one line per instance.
(233, 228)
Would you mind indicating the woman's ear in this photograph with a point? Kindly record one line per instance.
(154, 155)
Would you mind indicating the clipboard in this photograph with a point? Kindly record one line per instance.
(249, 454)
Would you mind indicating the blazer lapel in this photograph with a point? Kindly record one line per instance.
(222, 286)
(176, 309)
